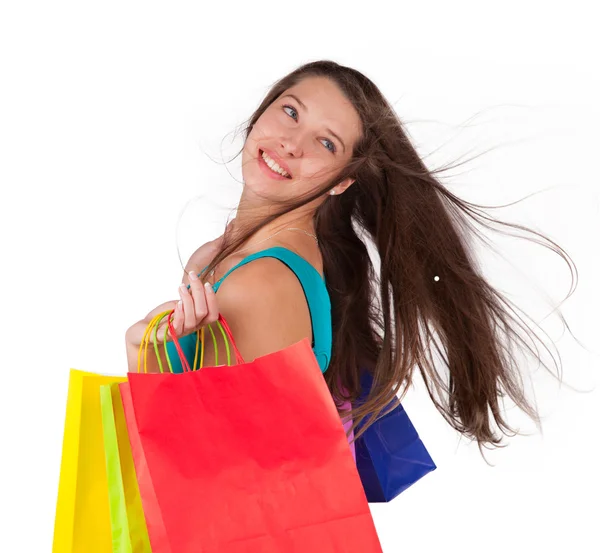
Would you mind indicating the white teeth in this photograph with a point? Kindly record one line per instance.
(273, 165)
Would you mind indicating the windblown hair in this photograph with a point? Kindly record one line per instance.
(388, 323)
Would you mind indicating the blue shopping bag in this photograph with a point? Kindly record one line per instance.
(390, 456)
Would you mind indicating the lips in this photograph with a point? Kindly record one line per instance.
(277, 160)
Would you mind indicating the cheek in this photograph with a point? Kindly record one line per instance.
(268, 125)
(314, 172)
(318, 166)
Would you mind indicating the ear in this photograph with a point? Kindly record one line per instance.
(344, 185)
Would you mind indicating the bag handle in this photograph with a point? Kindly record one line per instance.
(154, 323)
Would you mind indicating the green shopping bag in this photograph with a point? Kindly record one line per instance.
(128, 525)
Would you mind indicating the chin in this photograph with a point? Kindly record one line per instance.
(256, 182)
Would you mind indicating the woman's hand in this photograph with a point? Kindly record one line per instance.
(196, 308)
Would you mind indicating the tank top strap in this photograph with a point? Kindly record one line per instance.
(315, 290)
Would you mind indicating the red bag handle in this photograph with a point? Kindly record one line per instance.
(238, 356)
(186, 368)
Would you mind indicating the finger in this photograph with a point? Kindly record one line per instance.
(164, 324)
(178, 322)
(189, 317)
(199, 296)
(211, 303)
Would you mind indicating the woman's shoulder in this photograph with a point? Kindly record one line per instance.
(260, 275)
(264, 305)
(309, 254)
(265, 283)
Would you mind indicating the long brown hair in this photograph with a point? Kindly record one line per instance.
(429, 284)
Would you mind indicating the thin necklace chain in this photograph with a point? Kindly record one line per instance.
(269, 237)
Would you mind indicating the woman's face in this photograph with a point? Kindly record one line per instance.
(311, 137)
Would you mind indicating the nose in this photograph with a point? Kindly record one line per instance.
(290, 146)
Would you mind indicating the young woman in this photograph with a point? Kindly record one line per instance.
(327, 167)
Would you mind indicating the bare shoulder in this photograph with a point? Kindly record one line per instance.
(264, 305)
(261, 275)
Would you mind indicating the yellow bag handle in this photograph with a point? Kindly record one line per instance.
(154, 324)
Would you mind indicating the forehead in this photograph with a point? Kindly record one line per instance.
(327, 106)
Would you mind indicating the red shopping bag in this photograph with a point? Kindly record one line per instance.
(154, 523)
(251, 458)
(153, 517)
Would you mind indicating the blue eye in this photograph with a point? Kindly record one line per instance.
(333, 146)
(291, 109)
(333, 150)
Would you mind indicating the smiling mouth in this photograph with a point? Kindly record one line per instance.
(260, 155)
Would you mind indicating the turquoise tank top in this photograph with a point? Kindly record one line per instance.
(317, 296)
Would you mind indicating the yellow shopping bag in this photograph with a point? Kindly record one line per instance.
(82, 523)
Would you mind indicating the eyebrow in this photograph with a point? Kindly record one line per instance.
(306, 109)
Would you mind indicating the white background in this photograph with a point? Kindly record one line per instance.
(113, 115)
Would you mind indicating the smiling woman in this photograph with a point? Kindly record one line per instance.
(351, 176)
(304, 132)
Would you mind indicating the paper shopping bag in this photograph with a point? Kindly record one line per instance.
(152, 514)
(129, 532)
(390, 455)
(154, 525)
(251, 458)
(82, 519)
